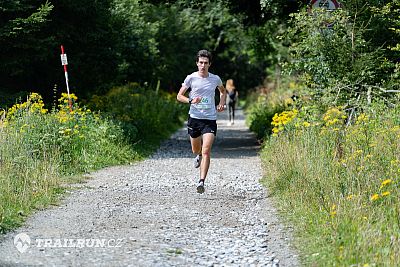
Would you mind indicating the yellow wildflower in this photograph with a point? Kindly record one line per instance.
(362, 118)
(386, 193)
(334, 116)
(386, 182)
(279, 120)
(333, 211)
(374, 197)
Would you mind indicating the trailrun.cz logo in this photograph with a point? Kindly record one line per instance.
(23, 242)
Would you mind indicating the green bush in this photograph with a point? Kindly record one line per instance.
(144, 113)
(264, 103)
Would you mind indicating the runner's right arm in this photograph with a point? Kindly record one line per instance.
(182, 98)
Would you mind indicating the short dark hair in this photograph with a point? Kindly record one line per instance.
(204, 53)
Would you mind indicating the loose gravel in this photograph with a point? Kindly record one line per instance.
(149, 214)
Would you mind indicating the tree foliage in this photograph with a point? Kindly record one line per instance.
(22, 43)
(340, 54)
(114, 42)
(111, 42)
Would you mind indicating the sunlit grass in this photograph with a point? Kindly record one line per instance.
(339, 186)
(42, 151)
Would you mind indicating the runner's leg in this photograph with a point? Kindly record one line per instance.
(208, 139)
(196, 145)
(233, 112)
(230, 112)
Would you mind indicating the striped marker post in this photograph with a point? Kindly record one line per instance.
(64, 62)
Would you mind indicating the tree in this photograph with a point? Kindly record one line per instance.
(22, 43)
(330, 52)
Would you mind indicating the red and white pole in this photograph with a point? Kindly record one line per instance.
(64, 62)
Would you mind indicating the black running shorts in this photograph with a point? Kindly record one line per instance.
(197, 127)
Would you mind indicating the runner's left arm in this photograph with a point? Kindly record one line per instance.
(222, 98)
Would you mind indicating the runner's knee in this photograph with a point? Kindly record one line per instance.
(206, 153)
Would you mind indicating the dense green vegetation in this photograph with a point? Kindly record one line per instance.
(338, 184)
(43, 150)
(330, 126)
(114, 42)
(325, 103)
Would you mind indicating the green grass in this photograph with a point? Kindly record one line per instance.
(42, 152)
(339, 186)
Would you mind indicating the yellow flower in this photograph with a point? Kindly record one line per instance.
(333, 210)
(349, 197)
(334, 116)
(362, 118)
(374, 197)
(281, 119)
(33, 104)
(386, 182)
(386, 193)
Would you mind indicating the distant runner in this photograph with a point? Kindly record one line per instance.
(231, 99)
(202, 122)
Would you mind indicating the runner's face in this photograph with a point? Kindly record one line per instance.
(203, 64)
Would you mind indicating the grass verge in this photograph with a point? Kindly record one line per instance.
(42, 152)
(338, 185)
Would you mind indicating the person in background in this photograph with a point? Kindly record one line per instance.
(232, 98)
(202, 121)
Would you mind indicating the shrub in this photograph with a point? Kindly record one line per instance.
(144, 113)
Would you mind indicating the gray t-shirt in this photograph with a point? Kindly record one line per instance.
(204, 87)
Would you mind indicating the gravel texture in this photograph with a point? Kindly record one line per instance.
(149, 214)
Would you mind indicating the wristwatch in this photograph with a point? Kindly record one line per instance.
(190, 101)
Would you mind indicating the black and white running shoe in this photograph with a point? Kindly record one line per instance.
(197, 161)
(200, 187)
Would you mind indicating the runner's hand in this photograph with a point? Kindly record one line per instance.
(220, 108)
(196, 100)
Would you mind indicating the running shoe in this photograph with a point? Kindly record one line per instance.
(200, 187)
(197, 161)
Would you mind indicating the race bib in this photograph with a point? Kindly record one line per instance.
(204, 104)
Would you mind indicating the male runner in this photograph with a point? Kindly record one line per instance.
(202, 122)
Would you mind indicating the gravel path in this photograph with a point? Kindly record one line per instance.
(149, 214)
